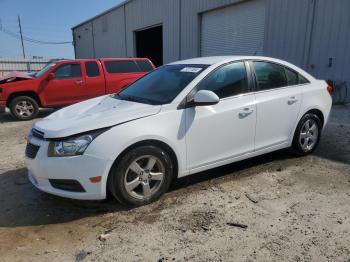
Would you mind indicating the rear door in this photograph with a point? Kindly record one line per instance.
(278, 97)
(94, 79)
(120, 73)
(67, 87)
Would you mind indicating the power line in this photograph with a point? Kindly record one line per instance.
(31, 40)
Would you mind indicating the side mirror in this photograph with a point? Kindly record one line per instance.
(50, 76)
(205, 98)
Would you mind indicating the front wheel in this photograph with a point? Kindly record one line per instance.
(307, 134)
(24, 108)
(142, 176)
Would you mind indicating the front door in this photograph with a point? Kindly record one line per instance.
(218, 133)
(67, 87)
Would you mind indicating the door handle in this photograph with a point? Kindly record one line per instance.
(292, 100)
(79, 82)
(245, 112)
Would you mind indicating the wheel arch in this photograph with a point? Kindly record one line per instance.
(23, 93)
(318, 113)
(315, 111)
(148, 142)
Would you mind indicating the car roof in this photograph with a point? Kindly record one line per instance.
(212, 60)
(219, 60)
(101, 59)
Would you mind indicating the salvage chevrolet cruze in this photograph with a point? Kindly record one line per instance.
(177, 120)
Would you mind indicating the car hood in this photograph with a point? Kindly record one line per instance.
(93, 114)
(14, 77)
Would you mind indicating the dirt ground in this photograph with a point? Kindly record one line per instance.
(294, 209)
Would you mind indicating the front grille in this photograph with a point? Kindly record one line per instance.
(38, 134)
(31, 150)
(67, 185)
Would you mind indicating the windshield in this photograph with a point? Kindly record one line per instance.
(44, 70)
(162, 85)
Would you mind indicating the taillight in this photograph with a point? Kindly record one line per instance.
(330, 89)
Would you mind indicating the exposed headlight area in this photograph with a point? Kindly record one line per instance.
(74, 145)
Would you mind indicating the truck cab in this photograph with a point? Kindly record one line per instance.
(66, 82)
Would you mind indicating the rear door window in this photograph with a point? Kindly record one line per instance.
(121, 66)
(92, 69)
(303, 80)
(292, 77)
(71, 70)
(269, 75)
(144, 65)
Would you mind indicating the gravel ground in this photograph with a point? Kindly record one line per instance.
(274, 207)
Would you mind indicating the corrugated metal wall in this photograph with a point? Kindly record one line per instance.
(147, 13)
(83, 41)
(315, 35)
(329, 56)
(288, 25)
(109, 34)
(292, 30)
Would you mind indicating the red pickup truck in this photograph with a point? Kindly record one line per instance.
(66, 82)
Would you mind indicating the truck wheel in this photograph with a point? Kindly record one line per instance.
(142, 176)
(24, 108)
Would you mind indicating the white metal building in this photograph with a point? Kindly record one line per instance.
(313, 34)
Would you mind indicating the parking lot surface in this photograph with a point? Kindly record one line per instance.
(275, 207)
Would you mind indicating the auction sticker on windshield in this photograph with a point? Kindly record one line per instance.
(191, 70)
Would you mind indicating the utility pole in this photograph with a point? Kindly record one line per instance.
(20, 31)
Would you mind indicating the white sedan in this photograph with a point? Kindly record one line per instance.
(180, 119)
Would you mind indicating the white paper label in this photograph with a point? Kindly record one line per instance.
(191, 70)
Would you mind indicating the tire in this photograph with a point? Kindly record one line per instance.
(141, 176)
(24, 108)
(307, 135)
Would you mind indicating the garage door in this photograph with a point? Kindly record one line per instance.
(234, 30)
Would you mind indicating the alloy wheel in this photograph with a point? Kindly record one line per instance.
(308, 135)
(144, 177)
(24, 108)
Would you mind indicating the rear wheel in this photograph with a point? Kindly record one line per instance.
(24, 108)
(141, 176)
(307, 134)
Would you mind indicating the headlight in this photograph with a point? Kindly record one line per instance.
(72, 146)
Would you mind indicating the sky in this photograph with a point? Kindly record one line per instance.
(45, 20)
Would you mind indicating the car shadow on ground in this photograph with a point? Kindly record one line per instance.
(335, 141)
(21, 204)
(6, 117)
